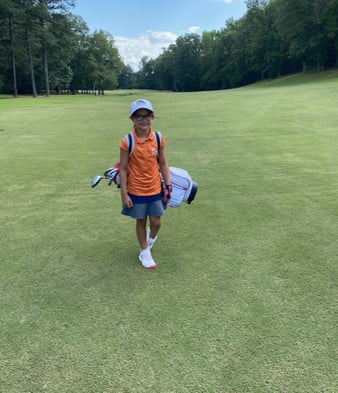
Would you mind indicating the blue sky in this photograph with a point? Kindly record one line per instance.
(144, 28)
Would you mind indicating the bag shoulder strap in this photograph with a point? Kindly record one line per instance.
(130, 141)
(158, 137)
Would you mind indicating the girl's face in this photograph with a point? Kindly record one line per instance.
(142, 119)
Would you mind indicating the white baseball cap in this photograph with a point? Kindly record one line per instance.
(140, 104)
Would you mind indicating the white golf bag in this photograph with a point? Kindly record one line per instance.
(184, 189)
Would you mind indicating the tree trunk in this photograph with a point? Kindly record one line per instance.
(31, 66)
(45, 63)
(15, 85)
(304, 67)
(45, 58)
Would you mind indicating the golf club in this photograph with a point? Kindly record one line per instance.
(109, 174)
(96, 180)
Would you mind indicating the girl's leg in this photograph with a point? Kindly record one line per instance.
(141, 232)
(145, 255)
(155, 225)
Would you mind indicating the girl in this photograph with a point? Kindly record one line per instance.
(140, 179)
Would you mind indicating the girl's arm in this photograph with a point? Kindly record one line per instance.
(124, 157)
(164, 167)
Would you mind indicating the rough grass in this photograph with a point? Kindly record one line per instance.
(244, 298)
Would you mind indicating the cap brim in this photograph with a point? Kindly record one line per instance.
(138, 109)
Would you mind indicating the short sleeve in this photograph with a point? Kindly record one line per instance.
(123, 144)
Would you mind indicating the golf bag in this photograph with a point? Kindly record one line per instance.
(184, 189)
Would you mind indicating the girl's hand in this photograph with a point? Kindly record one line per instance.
(167, 190)
(126, 201)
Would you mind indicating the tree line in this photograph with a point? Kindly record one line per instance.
(273, 38)
(44, 47)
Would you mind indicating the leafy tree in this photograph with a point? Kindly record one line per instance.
(126, 79)
(96, 63)
(7, 44)
(234, 42)
(213, 60)
(50, 12)
(145, 77)
(164, 67)
(301, 24)
(276, 58)
(258, 37)
(330, 15)
(186, 71)
(62, 45)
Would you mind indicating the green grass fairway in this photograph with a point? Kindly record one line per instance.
(244, 299)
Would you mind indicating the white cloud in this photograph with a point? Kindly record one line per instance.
(193, 29)
(150, 44)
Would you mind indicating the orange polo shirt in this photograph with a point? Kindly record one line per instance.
(144, 175)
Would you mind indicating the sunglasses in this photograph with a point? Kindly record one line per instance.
(143, 117)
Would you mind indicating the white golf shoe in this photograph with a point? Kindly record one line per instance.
(146, 259)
